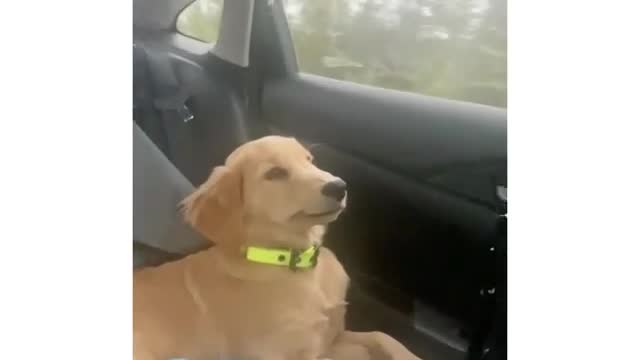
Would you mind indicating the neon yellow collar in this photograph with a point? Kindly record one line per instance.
(294, 259)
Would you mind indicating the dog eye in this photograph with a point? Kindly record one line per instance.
(276, 173)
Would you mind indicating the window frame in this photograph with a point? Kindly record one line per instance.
(183, 9)
(234, 35)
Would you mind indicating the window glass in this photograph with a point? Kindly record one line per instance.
(455, 49)
(201, 20)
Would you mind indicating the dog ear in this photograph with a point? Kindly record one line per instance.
(215, 208)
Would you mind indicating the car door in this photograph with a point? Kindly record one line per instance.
(423, 238)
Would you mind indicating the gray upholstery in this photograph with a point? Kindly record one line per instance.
(146, 256)
(158, 187)
(235, 32)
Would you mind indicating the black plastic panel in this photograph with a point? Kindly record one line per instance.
(426, 244)
(421, 132)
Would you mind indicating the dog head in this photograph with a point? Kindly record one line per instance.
(268, 186)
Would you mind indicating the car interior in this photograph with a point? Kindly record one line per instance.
(424, 234)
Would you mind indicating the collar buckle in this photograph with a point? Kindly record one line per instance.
(294, 259)
(314, 257)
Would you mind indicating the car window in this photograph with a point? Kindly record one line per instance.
(201, 20)
(455, 49)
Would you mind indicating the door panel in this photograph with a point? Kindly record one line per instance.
(408, 241)
(436, 132)
(422, 176)
(415, 233)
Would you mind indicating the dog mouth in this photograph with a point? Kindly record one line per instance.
(321, 214)
(331, 212)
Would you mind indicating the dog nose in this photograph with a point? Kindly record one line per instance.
(336, 189)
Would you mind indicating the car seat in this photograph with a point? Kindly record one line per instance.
(159, 234)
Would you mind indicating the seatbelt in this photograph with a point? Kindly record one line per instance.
(142, 101)
(145, 113)
(159, 99)
(170, 96)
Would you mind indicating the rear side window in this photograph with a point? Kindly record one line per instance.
(201, 20)
(455, 49)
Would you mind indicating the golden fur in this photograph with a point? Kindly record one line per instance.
(215, 305)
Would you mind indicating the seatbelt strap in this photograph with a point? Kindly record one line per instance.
(144, 111)
(170, 96)
(142, 102)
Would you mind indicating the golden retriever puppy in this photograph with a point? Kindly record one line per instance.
(267, 290)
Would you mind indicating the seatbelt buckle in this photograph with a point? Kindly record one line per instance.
(177, 104)
(185, 114)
